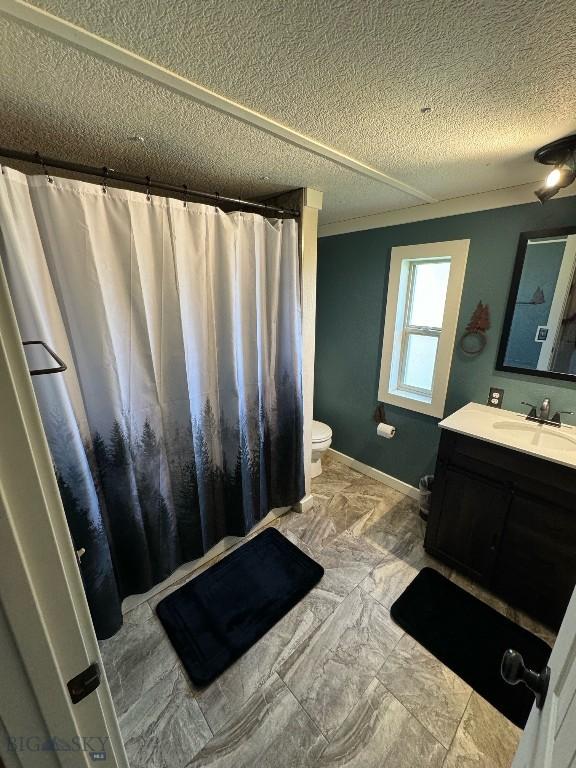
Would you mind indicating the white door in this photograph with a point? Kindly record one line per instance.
(549, 739)
(558, 306)
(46, 635)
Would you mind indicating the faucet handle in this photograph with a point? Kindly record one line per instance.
(556, 418)
(532, 414)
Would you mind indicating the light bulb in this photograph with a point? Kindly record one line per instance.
(553, 178)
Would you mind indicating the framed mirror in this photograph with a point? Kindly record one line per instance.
(539, 333)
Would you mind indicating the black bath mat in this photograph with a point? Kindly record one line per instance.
(470, 637)
(213, 619)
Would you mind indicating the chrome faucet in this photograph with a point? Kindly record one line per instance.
(545, 409)
(543, 417)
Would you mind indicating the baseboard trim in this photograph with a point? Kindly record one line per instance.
(376, 474)
(305, 504)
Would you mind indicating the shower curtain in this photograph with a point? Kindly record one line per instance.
(179, 419)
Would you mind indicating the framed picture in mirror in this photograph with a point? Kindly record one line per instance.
(539, 332)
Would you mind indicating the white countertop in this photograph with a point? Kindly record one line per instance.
(512, 430)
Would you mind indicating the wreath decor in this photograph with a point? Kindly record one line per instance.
(473, 341)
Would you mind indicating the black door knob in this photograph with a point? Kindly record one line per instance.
(514, 671)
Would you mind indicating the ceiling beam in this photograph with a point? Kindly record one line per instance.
(108, 51)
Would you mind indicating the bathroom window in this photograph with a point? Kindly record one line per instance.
(424, 290)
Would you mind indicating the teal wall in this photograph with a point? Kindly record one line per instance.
(351, 299)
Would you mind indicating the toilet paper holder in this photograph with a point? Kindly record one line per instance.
(379, 414)
(383, 429)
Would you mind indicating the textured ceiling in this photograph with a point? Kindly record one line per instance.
(499, 77)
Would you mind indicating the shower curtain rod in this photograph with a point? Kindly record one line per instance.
(106, 174)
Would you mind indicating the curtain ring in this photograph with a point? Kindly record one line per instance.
(148, 188)
(185, 188)
(104, 179)
(43, 164)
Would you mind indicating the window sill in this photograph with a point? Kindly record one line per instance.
(407, 395)
(414, 402)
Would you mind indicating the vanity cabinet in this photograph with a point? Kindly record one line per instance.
(508, 521)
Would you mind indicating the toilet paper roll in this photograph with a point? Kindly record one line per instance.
(385, 430)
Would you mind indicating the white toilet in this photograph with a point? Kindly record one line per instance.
(321, 439)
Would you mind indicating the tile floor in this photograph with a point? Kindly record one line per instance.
(335, 682)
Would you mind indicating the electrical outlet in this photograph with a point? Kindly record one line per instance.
(495, 397)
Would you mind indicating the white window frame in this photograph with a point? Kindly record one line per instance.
(396, 330)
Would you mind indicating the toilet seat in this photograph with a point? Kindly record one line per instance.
(321, 432)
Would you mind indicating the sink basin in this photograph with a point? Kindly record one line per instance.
(537, 435)
(512, 430)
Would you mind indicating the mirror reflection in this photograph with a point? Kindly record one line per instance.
(540, 329)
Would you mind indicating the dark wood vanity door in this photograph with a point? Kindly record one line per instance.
(506, 520)
(467, 523)
(536, 566)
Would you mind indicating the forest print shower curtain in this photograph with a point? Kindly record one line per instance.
(179, 419)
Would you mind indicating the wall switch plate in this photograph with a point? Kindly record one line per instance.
(495, 397)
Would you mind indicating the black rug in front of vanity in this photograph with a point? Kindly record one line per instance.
(217, 616)
(470, 637)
